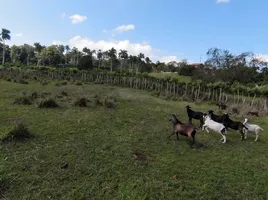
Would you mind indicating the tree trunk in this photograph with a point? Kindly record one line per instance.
(3, 61)
(111, 65)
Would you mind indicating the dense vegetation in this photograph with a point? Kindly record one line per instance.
(221, 65)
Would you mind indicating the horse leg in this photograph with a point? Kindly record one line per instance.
(223, 132)
(193, 136)
(257, 135)
(190, 120)
(242, 134)
(201, 122)
(246, 134)
(177, 135)
(171, 134)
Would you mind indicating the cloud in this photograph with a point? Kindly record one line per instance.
(132, 48)
(75, 19)
(223, 1)
(167, 59)
(18, 34)
(124, 28)
(262, 57)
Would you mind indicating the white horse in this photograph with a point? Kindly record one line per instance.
(215, 126)
(254, 128)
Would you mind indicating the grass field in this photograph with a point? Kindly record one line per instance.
(181, 78)
(98, 144)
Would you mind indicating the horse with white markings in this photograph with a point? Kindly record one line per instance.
(214, 126)
(253, 128)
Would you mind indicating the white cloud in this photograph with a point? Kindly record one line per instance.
(262, 57)
(132, 48)
(18, 34)
(167, 59)
(223, 1)
(124, 28)
(75, 19)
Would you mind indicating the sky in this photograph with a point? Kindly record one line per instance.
(169, 30)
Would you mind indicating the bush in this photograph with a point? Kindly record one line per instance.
(81, 102)
(63, 93)
(78, 83)
(109, 104)
(48, 103)
(19, 132)
(24, 100)
(85, 63)
(97, 102)
(22, 81)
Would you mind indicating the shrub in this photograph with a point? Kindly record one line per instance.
(34, 95)
(19, 132)
(85, 63)
(97, 102)
(24, 100)
(48, 103)
(63, 93)
(78, 83)
(81, 102)
(109, 104)
(44, 82)
(22, 81)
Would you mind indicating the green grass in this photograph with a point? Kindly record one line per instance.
(87, 153)
(181, 78)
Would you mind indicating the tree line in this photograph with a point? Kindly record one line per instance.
(221, 65)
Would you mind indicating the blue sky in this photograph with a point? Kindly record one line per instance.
(164, 30)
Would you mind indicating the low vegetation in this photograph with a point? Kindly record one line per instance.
(124, 154)
(48, 103)
(19, 132)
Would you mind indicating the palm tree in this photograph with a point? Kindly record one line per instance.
(123, 55)
(5, 35)
(100, 57)
(139, 60)
(112, 56)
(147, 60)
(87, 51)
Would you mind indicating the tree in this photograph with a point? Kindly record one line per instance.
(100, 57)
(5, 35)
(15, 53)
(139, 61)
(29, 51)
(67, 49)
(87, 51)
(112, 56)
(123, 55)
(38, 47)
(85, 63)
(50, 56)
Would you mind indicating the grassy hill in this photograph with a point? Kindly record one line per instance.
(89, 153)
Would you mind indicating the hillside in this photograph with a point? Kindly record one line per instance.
(89, 153)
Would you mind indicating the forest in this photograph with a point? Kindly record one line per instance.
(221, 66)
